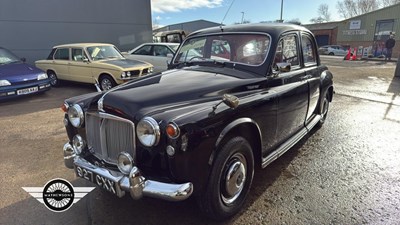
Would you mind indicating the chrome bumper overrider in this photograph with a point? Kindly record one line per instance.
(133, 183)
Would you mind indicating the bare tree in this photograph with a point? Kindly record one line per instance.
(351, 8)
(385, 3)
(323, 14)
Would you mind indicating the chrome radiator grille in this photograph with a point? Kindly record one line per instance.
(108, 135)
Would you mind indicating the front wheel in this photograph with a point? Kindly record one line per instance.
(106, 82)
(230, 180)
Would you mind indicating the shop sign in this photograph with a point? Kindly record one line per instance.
(354, 32)
(355, 24)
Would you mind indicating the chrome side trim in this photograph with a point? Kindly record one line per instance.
(289, 143)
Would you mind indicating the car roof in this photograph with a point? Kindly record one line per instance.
(274, 29)
(82, 45)
(159, 43)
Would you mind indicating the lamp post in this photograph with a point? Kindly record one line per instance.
(281, 20)
(242, 17)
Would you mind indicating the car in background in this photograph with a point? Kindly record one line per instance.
(235, 99)
(19, 78)
(154, 53)
(92, 63)
(332, 50)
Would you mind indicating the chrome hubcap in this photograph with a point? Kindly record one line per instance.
(234, 178)
(106, 84)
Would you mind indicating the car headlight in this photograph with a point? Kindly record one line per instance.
(151, 69)
(123, 74)
(4, 83)
(42, 76)
(148, 131)
(76, 115)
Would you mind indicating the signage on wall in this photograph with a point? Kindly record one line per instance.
(355, 24)
(354, 32)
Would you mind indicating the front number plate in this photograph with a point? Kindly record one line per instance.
(97, 179)
(27, 90)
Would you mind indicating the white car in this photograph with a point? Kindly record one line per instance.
(332, 50)
(154, 53)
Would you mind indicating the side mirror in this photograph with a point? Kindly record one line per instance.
(231, 101)
(283, 67)
(169, 58)
(23, 59)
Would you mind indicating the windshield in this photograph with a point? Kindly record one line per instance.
(250, 49)
(103, 52)
(7, 57)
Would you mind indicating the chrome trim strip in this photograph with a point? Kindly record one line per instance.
(289, 143)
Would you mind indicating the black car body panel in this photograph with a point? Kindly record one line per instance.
(278, 106)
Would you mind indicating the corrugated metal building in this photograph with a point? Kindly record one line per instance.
(372, 30)
(31, 28)
(188, 27)
(325, 33)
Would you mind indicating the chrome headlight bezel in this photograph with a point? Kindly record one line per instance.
(42, 76)
(76, 116)
(148, 132)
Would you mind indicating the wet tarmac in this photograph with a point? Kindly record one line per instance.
(346, 172)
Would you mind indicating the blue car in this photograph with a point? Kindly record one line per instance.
(18, 78)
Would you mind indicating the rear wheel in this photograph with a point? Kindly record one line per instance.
(324, 108)
(106, 82)
(230, 180)
(331, 53)
(54, 82)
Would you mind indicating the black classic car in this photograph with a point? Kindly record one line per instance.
(234, 98)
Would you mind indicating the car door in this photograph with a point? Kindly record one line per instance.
(310, 64)
(79, 66)
(292, 87)
(60, 63)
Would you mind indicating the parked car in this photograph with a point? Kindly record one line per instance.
(92, 62)
(18, 78)
(333, 50)
(154, 53)
(202, 127)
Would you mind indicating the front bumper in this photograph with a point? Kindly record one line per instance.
(137, 185)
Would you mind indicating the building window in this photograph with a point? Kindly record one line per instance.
(382, 32)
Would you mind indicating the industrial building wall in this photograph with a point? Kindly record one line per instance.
(30, 28)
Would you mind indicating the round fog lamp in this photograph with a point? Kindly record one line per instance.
(125, 162)
(78, 143)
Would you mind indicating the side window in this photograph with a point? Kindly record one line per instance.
(161, 50)
(287, 51)
(77, 55)
(62, 54)
(145, 50)
(308, 50)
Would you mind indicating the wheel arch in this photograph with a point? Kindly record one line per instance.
(103, 74)
(246, 128)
